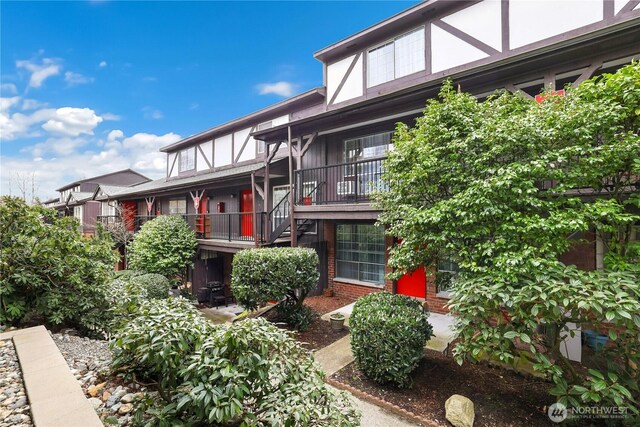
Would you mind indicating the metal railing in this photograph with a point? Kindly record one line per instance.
(140, 220)
(280, 212)
(343, 183)
(108, 219)
(232, 226)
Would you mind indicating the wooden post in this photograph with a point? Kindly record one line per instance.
(267, 199)
(253, 208)
(293, 228)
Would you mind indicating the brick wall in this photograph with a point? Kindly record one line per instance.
(435, 304)
(582, 254)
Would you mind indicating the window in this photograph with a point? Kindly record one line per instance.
(397, 58)
(360, 253)
(368, 173)
(187, 159)
(263, 126)
(108, 210)
(77, 213)
(177, 207)
(447, 272)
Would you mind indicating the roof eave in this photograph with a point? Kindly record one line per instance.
(308, 96)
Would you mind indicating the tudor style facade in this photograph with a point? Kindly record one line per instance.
(77, 198)
(232, 182)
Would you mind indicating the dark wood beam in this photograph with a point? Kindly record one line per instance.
(310, 141)
(275, 150)
(345, 77)
(253, 208)
(292, 217)
(586, 74)
(466, 37)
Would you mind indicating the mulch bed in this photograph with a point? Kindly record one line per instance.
(319, 334)
(501, 397)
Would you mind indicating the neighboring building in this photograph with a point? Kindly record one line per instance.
(76, 198)
(232, 182)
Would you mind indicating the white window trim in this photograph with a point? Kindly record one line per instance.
(193, 149)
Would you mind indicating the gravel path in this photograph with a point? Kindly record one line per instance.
(14, 406)
(89, 361)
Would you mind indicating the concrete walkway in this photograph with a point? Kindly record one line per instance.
(338, 355)
(222, 314)
(54, 394)
(442, 324)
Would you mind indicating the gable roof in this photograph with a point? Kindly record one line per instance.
(99, 177)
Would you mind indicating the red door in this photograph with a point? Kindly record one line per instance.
(413, 284)
(246, 220)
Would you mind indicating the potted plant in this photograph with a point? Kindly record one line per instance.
(337, 321)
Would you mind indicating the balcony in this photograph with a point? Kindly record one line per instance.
(346, 183)
(108, 219)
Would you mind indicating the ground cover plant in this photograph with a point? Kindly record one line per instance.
(388, 335)
(246, 373)
(49, 272)
(285, 275)
(503, 188)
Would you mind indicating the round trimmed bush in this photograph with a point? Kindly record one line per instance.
(156, 285)
(388, 335)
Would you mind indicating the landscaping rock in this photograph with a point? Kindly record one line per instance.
(95, 402)
(14, 406)
(125, 409)
(460, 411)
(127, 398)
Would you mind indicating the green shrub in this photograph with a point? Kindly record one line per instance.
(127, 274)
(157, 337)
(247, 373)
(388, 335)
(156, 285)
(298, 317)
(261, 275)
(164, 245)
(50, 272)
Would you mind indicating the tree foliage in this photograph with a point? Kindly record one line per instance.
(247, 373)
(165, 245)
(506, 186)
(49, 271)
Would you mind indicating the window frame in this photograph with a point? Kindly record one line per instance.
(445, 293)
(180, 169)
(393, 42)
(338, 258)
(178, 200)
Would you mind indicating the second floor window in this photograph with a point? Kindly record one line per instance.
(187, 159)
(77, 212)
(367, 147)
(396, 58)
(177, 207)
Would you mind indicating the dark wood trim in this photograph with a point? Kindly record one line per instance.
(259, 190)
(244, 144)
(427, 48)
(629, 7)
(550, 80)
(293, 229)
(504, 24)
(465, 37)
(310, 141)
(586, 74)
(513, 89)
(275, 151)
(203, 155)
(608, 8)
(253, 208)
(345, 77)
(173, 164)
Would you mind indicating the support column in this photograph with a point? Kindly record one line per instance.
(253, 208)
(293, 228)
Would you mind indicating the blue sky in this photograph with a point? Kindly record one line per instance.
(92, 87)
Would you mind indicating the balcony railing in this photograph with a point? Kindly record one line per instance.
(108, 219)
(345, 183)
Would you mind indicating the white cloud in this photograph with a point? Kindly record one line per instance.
(74, 79)
(152, 114)
(111, 117)
(32, 104)
(58, 161)
(194, 106)
(8, 89)
(40, 72)
(65, 121)
(7, 103)
(278, 88)
(103, 64)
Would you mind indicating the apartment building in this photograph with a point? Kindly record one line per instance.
(301, 172)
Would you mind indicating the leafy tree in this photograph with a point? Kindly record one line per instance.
(501, 187)
(49, 271)
(165, 245)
